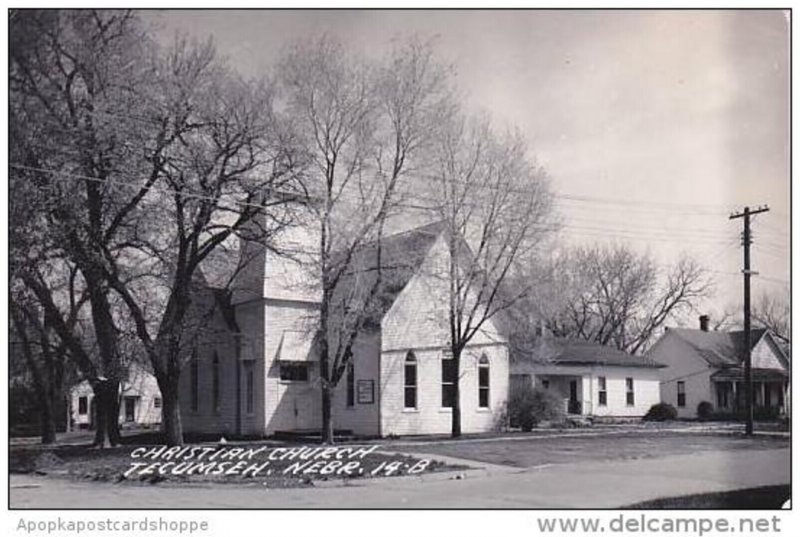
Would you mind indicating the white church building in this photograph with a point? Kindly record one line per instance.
(260, 375)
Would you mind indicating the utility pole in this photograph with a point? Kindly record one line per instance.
(748, 374)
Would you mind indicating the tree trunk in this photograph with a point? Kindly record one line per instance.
(106, 396)
(171, 412)
(100, 417)
(112, 425)
(327, 419)
(456, 415)
(48, 421)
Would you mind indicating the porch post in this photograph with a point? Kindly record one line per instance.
(786, 394)
(586, 394)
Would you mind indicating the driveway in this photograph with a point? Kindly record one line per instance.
(582, 484)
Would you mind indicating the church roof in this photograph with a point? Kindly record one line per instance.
(401, 256)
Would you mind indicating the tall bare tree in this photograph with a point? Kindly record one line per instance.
(75, 80)
(226, 171)
(363, 127)
(615, 296)
(496, 204)
(147, 161)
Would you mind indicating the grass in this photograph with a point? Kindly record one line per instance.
(86, 463)
(772, 497)
(526, 452)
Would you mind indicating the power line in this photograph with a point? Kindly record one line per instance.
(62, 176)
(658, 230)
(644, 234)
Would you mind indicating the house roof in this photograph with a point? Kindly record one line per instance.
(566, 351)
(719, 349)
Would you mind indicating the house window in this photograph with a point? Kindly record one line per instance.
(629, 400)
(410, 381)
(546, 384)
(130, 409)
(156, 402)
(449, 377)
(483, 382)
(194, 381)
(294, 372)
(215, 383)
(83, 405)
(723, 389)
(681, 393)
(249, 387)
(602, 392)
(351, 384)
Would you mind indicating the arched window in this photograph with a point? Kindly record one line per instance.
(483, 382)
(194, 382)
(215, 382)
(410, 381)
(351, 383)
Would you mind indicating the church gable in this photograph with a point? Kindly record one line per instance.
(419, 315)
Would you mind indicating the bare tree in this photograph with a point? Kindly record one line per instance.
(74, 81)
(362, 127)
(618, 297)
(495, 204)
(773, 311)
(44, 357)
(225, 172)
(146, 162)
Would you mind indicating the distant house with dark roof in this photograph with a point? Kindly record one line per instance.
(400, 379)
(592, 379)
(707, 365)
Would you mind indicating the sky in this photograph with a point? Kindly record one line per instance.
(653, 125)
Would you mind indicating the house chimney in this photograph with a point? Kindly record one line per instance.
(704, 323)
(541, 329)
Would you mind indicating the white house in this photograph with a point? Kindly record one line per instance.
(140, 400)
(592, 379)
(264, 377)
(706, 365)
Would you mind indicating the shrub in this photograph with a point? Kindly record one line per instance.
(705, 410)
(766, 413)
(661, 412)
(527, 406)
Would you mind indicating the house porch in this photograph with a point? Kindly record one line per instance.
(770, 391)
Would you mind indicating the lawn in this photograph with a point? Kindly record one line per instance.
(264, 465)
(757, 498)
(526, 452)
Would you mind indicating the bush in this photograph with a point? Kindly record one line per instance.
(705, 410)
(528, 406)
(761, 413)
(661, 412)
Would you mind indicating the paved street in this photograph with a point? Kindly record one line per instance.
(583, 484)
